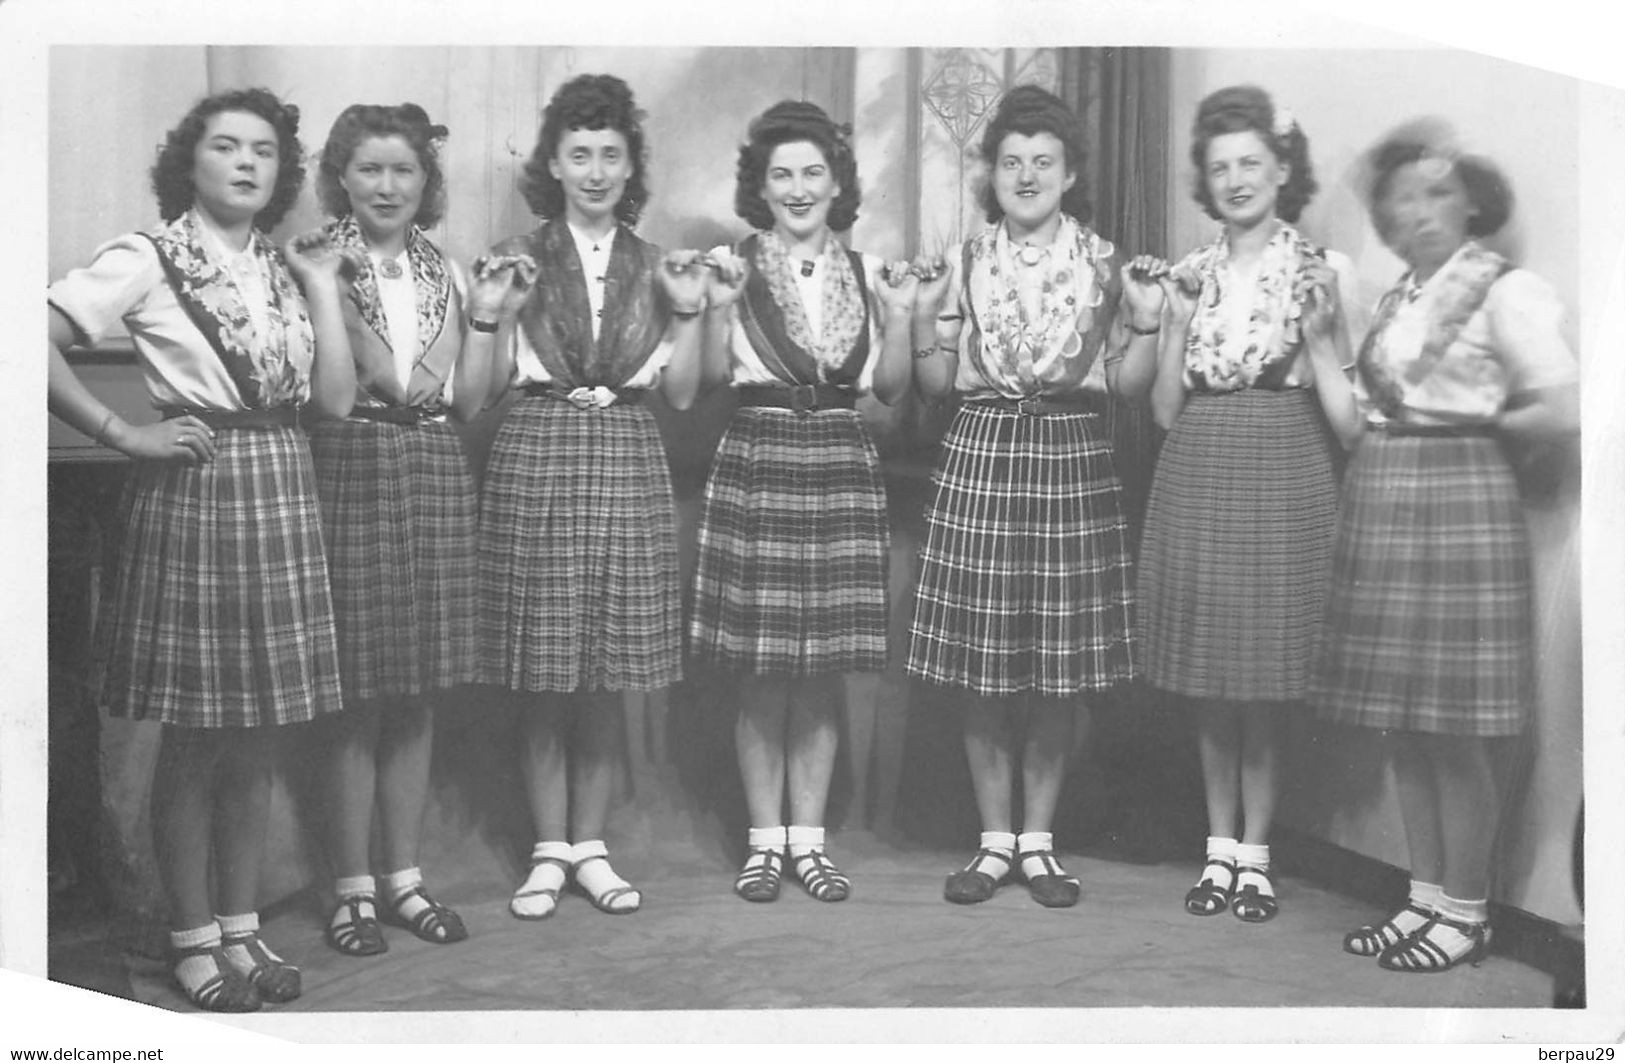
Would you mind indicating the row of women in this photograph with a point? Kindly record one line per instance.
(267, 579)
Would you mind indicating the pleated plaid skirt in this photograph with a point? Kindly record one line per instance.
(1428, 624)
(399, 510)
(219, 614)
(1237, 548)
(1025, 570)
(793, 539)
(578, 580)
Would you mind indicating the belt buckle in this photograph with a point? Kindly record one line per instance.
(585, 398)
(1029, 406)
(804, 398)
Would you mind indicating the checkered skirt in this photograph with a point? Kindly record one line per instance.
(1024, 573)
(1237, 547)
(578, 579)
(399, 511)
(793, 535)
(1428, 624)
(219, 614)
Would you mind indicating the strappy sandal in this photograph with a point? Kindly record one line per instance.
(605, 901)
(1053, 888)
(1207, 897)
(436, 924)
(820, 877)
(359, 935)
(970, 884)
(551, 893)
(759, 879)
(227, 991)
(273, 978)
(1420, 954)
(1251, 904)
(1374, 940)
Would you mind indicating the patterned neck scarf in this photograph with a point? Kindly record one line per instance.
(845, 310)
(1261, 354)
(431, 281)
(271, 369)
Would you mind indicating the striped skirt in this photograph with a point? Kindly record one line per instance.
(1024, 573)
(578, 583)
(1428, 624)
(1237, 547)
(399, 512)
(219, 614)
(793, 541)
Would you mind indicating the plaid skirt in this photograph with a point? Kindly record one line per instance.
(1238, 546)
(219, 614)
(578, 582)
(399, 512)
(1428, 623)
(793, 541)
(1025, 569)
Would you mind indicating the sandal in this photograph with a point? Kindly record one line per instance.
(615, 888)
(360, 934)
(1374, 940)
(522, 911)
(759, 879)
(1250, 903)
(1420, 954)
(1207, 897)
(273, 978)
(970, 884)
(225, 991)
(436, 924)
(1053, 888)
(822, 880)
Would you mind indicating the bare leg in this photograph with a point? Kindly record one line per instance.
(814, 735)
(182, 821)
(989, 749)
(351, 784)
(546, 764)
(1470, 805)
(1260, 759)
(1044, 755)
(1218, 739)
(861, 697)
(404, 749)
(759, 740)
(599, 740)
(1418, 806)
(242, 809)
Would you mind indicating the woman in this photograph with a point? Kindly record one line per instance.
(1428, 629)
(219, 624)
(1243, 503)
(577, 542)
(398, 507)
(1023, 598)
(790, 589)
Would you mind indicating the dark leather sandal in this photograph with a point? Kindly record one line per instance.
(228, 991)
(970, 884)
(761, 876)
(1374, 940)
(436, 924)
(1053, 888)
(359, 935)
(1207, 897)
(273, 978)
(820, 877)
(1420, 954)
(1251, 904)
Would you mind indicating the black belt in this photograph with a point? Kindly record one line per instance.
(576, 396)
(802, 398)
(1460, 431)
(274, 417)
(1038, 405)
(401, 414)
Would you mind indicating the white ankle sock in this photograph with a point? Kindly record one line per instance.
(768, 838)
(1032, 842)
(529, 900)
(1426, 895)
(999, 840)
(243, 926)
(1221, 848)
(804, 840)
(398, 882)
(1253, 858)
(1464, 911)
(597, 877)
(193, 971)
(355, 886)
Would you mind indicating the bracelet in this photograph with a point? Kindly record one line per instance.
(480, 325)
(1138, 331)
(102, 428)
(921, 353)
(685, 315)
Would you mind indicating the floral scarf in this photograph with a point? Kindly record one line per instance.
(1031, 317)
(269, 370)
(1456, 292)
(776, 321)
(432, 284)
(1262, 355)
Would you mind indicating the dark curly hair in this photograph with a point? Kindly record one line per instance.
(793, 122)
(172, 173)
(1029, 110)
(591, 101)
(1244, 108)
(358, 122)
(1487, 187)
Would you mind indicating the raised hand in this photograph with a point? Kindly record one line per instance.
(684, 278)
(314, 259)
(1180, 287)
(935, 276)
(901, 287)
(726, 278)
(1145, 280)
(501, 285)
(1316, 285)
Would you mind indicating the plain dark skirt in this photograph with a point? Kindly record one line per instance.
(1025, 570)
(1237, 549)
(578, 581)
(219, 614)
(793, 540)
(399, 511)
(1428, 624)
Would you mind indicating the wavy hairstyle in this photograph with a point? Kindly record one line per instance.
(172, 172)
(1030, 110)
(1248, 108)
(591, 101)
(361, 121)
(793, 122)
(1487, 187)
